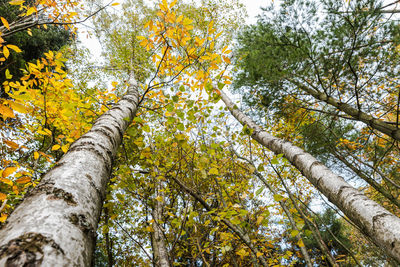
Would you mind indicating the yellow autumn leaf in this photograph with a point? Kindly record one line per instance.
(187, 21)
(15, 48)
(6, 181)
(18, 107)
(242, 252)
(3, 196)
(293, 233)
(5, 22)
(114, 4)
(213, 171)
(56, 147)
(173, 4)
(6, 52)
(16, 2)
(259, 254)
(179, 19)
(35, 155)
(64, 148)
(30, 11)
(8, 171)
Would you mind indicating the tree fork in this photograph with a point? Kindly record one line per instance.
(55, 225)
(379, 224)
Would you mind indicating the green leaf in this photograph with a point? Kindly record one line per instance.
(278, 197)
(146, 128)
(170, 108)
(274, 161)
(259, 191)
(260, 168)
(180, 127)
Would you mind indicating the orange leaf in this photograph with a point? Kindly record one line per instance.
(6, 112)
(3, 217)
(11, 144)
(23, 180)
(3, 196)
(8, 171)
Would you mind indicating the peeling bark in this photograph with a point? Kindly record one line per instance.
(379, 224)
(56, 223)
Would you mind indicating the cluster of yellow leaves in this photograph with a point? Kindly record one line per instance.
(51, 108)
(181, 44)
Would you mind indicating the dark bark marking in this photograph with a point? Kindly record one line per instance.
(27, 250)
(377, 217)
(95, 151)
(116, 108)
(131, 99)
(82, 222)
(394, 244)
(315, 163)
(295, 158)
(111, 131)
(99, 192)
(59, 193)
(354, 199)
(343, 187)
(53, 192)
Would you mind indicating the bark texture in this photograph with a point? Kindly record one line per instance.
(375, 221)
(56, 223)
(160, 252)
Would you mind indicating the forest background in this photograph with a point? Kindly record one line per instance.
(165, 175)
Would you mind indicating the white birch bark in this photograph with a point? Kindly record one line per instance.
(159, 246)
(375, 221)
(56, 223)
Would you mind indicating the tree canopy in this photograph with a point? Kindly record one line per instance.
(135, 160)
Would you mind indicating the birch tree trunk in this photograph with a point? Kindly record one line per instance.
(375, 221)
(56, 223)
(160, 251)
